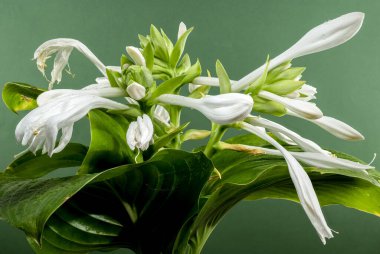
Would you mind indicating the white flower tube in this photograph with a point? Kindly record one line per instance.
(136, 91)
(325, 36)
(181, 29)
(304, 108)
(140, 133)
(313, 159)
(136, 55)
(222, 109)
(334, 126)
(40, 127)
(305, 144)
(161, 114)
(302, 183)
(63, 48)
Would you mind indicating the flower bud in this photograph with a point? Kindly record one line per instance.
(136, 55)
(161, 114)
(181, 29)
(136, 91)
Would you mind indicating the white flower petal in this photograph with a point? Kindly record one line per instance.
(162, 114)
(63, 48)
(303, 185)
(136, 91)
(140, 133)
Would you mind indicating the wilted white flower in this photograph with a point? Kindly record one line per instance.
(40, 127)
(136, 55)
(223, 109)
(325, 36)
(63, 48)
(161, 114)
(140, 133)
(136, 91)
(302, 183)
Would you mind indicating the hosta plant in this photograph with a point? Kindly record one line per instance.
(135, 186)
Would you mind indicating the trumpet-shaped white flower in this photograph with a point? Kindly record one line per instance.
(303, 143)
(136, 91)
(325, 36)
(140, 133)
(181, 29)
(302, 183)
(222, 109)
(304, 108)
(40, 127)
(63, 48)
(334, 126)
(136, 55)
(161, 114)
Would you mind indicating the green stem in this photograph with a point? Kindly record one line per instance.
(175, 118)
(217, 132)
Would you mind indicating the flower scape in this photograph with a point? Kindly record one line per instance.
(135, 187)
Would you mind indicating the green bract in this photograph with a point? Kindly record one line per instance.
(134, 185)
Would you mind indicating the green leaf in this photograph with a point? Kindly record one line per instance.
(288, 74)
(179, 48)
(19, 96)
(149, 55)
(284, 87)
(108, 147)
(268, 107)
(167, 87)
(159, 44)
(113, 78)
(139, 206)
(29, 165)
(224, 80)
(257, 85)
(252, 177)
(166, 138)
(272, 74)
(194, 71)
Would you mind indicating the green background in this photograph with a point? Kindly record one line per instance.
(241, 34)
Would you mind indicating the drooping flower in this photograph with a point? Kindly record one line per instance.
(40, 127)
(62, 47)
(325, 36)
(222, 109)
(140, 133)
(302, 183)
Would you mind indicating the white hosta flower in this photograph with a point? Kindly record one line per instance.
(136, 55)
(62, 47)
(136, 91)
(161, 114)
(304, 108)
(140, 133)
(303, 143)
(40, 127)
(325, 36)
(222, 109)
(207, 81)
(181, 29)
(302, 183)
(334, 126)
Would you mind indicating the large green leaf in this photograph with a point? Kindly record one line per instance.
(108, 146)
(251, 177)
(139, 206)
(20, 96)
(29, 165)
